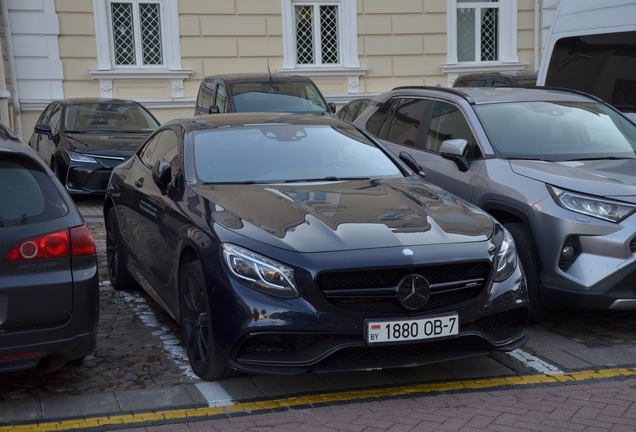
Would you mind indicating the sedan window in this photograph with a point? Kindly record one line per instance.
(279, 153)
(109, 117)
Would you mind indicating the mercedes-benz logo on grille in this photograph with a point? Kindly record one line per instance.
(413, 292)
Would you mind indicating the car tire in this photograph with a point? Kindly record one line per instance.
(120, 277)
(55, 169)
(194, 313)
(528, 257)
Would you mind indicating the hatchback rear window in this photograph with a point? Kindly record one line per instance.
(27, 194)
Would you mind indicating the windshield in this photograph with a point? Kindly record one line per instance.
(285, 152)
(108, 117)
(558, 131)
(277, 96)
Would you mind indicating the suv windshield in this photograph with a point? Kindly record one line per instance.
(277, 96)
(557, 131)
(108, 116)
(285, 152)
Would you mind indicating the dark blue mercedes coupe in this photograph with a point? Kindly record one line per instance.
(291, 243)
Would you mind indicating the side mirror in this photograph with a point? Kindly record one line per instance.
(332, 106)
(454, 150)
(411, 163)
(214, 109)
(162, 175)
(45, 130)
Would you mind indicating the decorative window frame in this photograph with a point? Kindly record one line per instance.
(507, 40)
(347, 40)
(107, 71)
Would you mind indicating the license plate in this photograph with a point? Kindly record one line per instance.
(407, 330)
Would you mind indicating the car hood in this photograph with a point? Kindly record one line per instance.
(117, 144)
(343, 215)
(607, 178)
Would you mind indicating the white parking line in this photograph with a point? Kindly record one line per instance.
(214, 394)
(171, 344)
(534, 362)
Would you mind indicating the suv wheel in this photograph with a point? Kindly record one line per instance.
(528, 256)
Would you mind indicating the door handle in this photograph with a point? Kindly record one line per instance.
(139, 183)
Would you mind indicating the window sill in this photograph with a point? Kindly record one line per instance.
(106, 78)
(352, 74)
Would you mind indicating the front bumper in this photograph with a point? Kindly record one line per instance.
(90, 178)
(264, 334)
(601, 274)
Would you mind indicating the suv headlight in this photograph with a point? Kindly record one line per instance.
(78, 157)
(599, 208)
(506, 260)
(259, 272)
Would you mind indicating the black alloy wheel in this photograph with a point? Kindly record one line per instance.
(196, 323)
(120, 277)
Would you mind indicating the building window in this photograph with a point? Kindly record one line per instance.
(137, 35)
(482, 36)
(138, 40)
(316, 34)
(477, 30)
(320, 39)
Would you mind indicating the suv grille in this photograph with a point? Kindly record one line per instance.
(374, 291)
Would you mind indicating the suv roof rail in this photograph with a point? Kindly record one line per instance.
(567, 90)
(445, 89)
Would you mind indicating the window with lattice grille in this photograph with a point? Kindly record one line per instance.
(137, 33)
(477, 30)
(317, 34)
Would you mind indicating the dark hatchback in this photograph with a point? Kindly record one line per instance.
(49, 286)
(260, 92)
(81, 140)
(288, 243)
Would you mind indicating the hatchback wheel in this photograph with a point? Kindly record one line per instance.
(120, 277)
(196, 324)
(528, 257)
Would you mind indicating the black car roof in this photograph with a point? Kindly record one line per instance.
(213, 121)
(486, 95)
(251, 77)
(92, 100)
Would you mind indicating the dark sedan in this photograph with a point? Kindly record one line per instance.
(81, 140)
(49, 286)
(292, 243)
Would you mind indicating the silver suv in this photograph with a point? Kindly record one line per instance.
(556, 167)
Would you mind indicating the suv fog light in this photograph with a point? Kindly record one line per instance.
(71, 185)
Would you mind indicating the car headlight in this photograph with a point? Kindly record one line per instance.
(506, 260)
(603, 209)
(259, 272)
(78, 157)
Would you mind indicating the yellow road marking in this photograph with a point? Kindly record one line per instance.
(48, 426)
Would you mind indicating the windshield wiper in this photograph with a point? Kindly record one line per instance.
(598, 158)
(234, 182)
(328, 178)
(529, 158)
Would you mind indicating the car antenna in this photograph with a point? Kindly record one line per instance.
(270, 74)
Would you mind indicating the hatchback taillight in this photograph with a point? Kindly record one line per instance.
(54, 245)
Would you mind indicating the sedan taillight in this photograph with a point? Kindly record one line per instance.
(54, 245)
